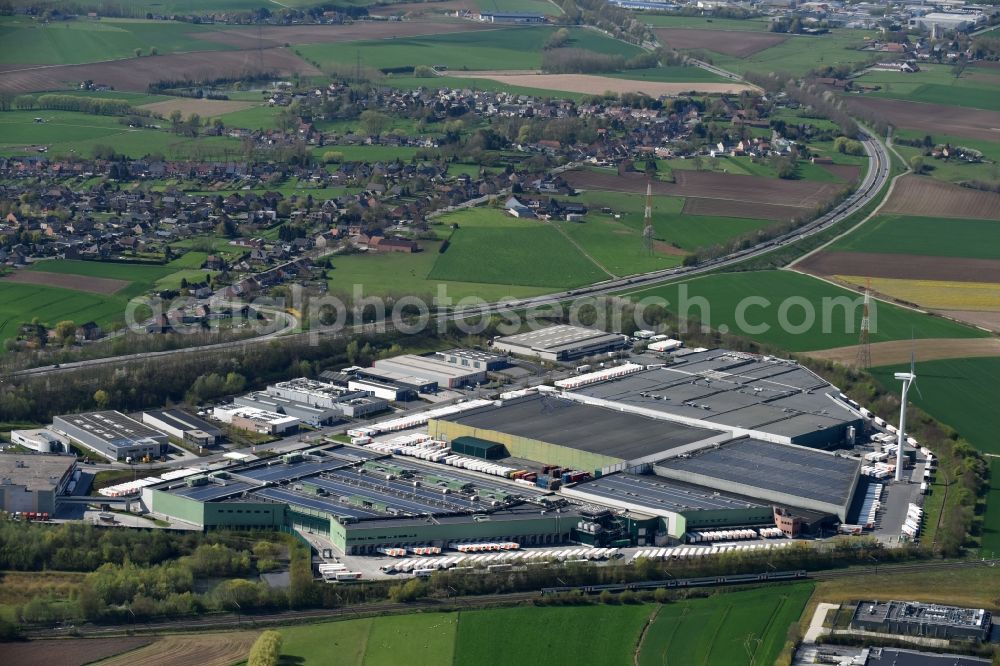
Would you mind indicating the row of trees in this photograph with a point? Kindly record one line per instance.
(93, 105)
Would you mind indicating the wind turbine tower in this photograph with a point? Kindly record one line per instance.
(908, 379)
(647, 225)
(864, 342)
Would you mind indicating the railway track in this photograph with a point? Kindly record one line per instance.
(230, 621)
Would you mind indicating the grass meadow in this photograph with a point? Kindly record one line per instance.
(833, 326)
(936, 84)
(907, 234)
(800, 53)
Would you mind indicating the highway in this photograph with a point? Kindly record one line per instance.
(875, 179)
(235, 621)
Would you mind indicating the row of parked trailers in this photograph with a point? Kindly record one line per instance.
(494, 561)
(911, 526)
(682, 552)
(415, 420)
(424, 447)
(337, 571)
(722, 535)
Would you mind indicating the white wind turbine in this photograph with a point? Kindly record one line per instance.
(909, 379)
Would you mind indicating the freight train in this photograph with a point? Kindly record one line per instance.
(731, 579)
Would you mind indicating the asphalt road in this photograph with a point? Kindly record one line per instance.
(874, 180)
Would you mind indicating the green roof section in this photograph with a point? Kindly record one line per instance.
(479, 448)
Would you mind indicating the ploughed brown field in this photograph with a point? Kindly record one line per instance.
(214, 649)
(738, 43)
(921, 195)
(68, 652)
(932, 118)
(93, 285)
(729, 208)
(802, 194)
(328, 34)
(137, 73)
(987, 320)
(592, 84)
(899, 351)
(901, 266)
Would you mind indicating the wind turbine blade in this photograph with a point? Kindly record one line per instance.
(914, 385)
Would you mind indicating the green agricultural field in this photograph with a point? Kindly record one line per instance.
(709, 631)
(615, 246)
(68, 133)
(141, 276)
(832, 325)
(957, 171)
(567, 636)
(685, 232)
(991, 523)
(959, 392)
(492, 248)
(936, 84)
(363, 153)
(27, 41)
(536, 6)
(989, 149)
(715, 630)
(800, 53)
(21, 303)
(504, 48)
(905, 234)
(409, 274)
(258, 117)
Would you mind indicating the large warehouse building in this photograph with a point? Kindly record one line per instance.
(446, 374)
(364, 501)
(747, 394)
(112, 435)
(32, 482)
(561, 342)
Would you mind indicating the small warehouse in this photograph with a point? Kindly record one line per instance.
(32, 482)
(561, 342)
(112, 435)
(447, 375)
(478, 448)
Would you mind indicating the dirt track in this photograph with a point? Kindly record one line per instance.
(709, 185)
(738, 43)
(898, 351)
(932, 118)
(901, 266)
(92, 285)
(137, 73)
(988, 320)
(591, 84)
(921, 195)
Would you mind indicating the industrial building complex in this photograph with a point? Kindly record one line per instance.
(715, 443)
(112, 435)
(32, 483)
(911, 618)
(561, 343)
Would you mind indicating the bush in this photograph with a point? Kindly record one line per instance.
(266, 650)
(424, 72)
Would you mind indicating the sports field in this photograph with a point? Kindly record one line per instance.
(816, 314)
(705, 631)
(509, 48)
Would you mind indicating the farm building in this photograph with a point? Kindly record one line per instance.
(432, 368)
(41, 440)
(561, 342)
(32, 482)
(183, 426)
(112, 435)
(911, 618)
